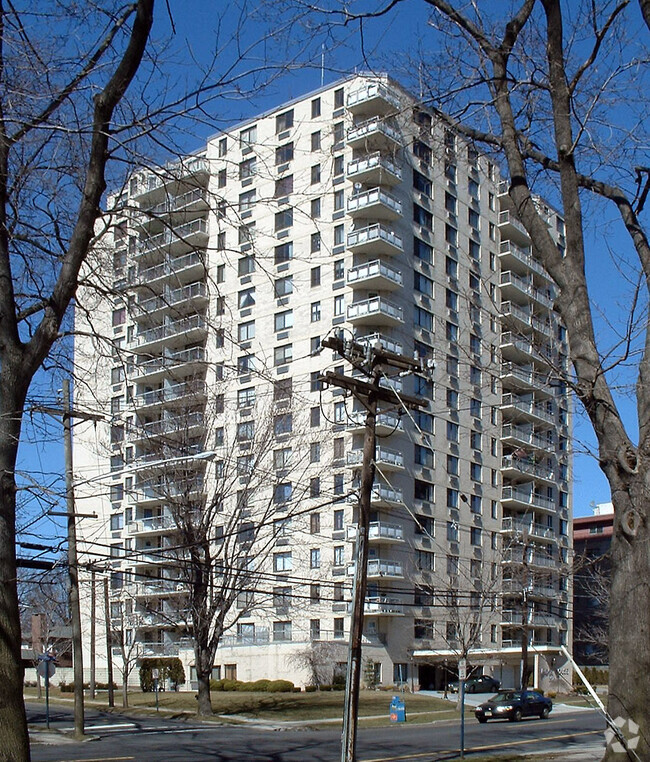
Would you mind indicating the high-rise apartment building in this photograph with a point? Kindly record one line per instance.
(353, 211)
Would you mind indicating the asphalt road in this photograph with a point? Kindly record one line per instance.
(125, 738)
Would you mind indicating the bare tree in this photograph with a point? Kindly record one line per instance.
(36, 113)
(122, 622)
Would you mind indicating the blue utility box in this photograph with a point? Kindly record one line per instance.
(397, 710)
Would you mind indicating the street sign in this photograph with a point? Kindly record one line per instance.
(462, 669)
(46, 667)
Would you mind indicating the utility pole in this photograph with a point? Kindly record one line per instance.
(372, 361)
(524, 615)
(73, 568)
(93, 607)
(109, 644)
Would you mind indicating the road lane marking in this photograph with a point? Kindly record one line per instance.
(491, 747)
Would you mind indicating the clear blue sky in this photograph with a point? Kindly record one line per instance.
(384, 40)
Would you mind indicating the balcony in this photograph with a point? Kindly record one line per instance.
(534, 619)
(524, 378)
(195, 200)
(188, 425)
(373, 98)
(515, 287)
(512, 229)
(514, 436)
(527, 409)
(385, 423)
(515, 587)
(524, 320)
(190, 235)
(386, 343)
(156, 587)
(382, 605)
(511, 525)
(188, 298)
(375, 239)
(374, 169)
(382, 496)
(379, 531)
(160, 649)
(376, 203)
(375, 311)
(154, 184)
(524, 497)
(512, 467)
(389, 460)
(194, 390)
(190, 267)
(187, 329)
(516, 258)
(374, 133)
(378, 568)
(260, 636)
(520, 350)
(154, 369)
(516, 557)
(375, 275)
(151, 526)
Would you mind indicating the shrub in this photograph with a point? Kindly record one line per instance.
(280, 686)
(169, 667)
(311, 688)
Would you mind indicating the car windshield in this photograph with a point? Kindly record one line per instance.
(506, 696)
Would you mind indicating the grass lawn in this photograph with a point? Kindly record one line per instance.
(287, 707)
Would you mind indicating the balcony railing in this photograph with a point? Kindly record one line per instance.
(375, 271)
(371, 92)
(375, 233)
(381, 604)
(390, 421)
(527, 497)
(174, 172)
(369, 128)
(146, 366)
(511, 524)
(174, 328)
(379, 530)
(509, 248)
(374, 165)
(189, 232)
(173, 266)
(377, 202)
(528, 407)
(383, 456)
(173, 204)
(170, 393)
(526, 467)
(544, 297)
(387, 343)
(374, 307)
(527, 436)
(176, 296)
(517, 556)
(169, 425)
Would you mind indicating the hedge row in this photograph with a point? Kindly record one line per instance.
(264, 686)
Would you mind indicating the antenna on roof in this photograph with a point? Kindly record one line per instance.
(322, 64)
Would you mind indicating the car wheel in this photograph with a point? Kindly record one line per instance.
(516, 715)
(544, 713)
(482, 719)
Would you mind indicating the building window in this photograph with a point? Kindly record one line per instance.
(475, 503)
(284, 121)
(315, 141)
(314, 451)
(315, 277)
(315, 174)
(246, 298)
(247, 200)
(282, 631)
(282, 562)
(339, 555)
(314, 558)
(223, 147)
(282, 458)
(339, 200)
(315, 108)
(282, 355)
(422, 217)
(247, 168)
(423, 456)
(475, 536)
(339, 630)
(283, 286)
(246, 331)
(314, 417)
(282, 493)
(283, 186)
(283, 219)
(338, 98)
(452, 465)
(423, 251)
(283, 320)
(282, 424)
(314, 489)
(339, 235)
(246, 397)
(423, 318)
(339, 412)
(284, 252)
(315, 208)
(284, 154)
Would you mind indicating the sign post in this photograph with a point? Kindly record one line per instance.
(155, 673)
(462, 676)
(46, 669)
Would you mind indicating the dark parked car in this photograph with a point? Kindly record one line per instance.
(514, 705)
(480, 684)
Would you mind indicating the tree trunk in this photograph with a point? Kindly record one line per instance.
(125, 689)
(14, 739)
(629, 613)
(203, 674)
